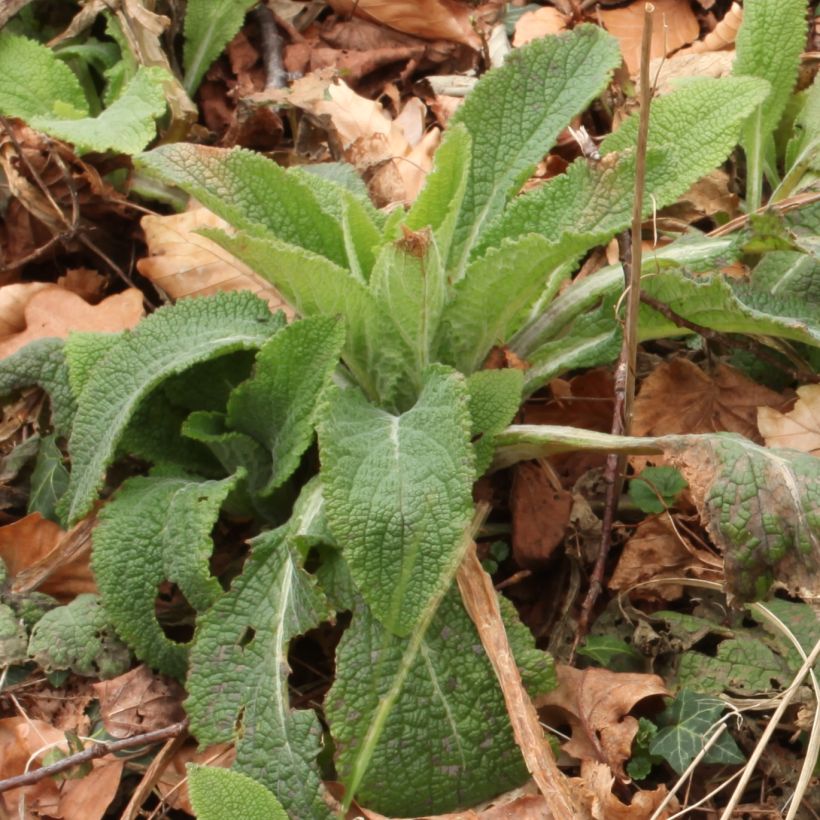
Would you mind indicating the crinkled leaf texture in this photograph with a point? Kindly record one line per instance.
(221, 794)
(209, 27)
(79, 636)
(277, 406)
(126, 126)
(157, 528)
(49, 479)
(166, 343)
(35, 82)
(42, 362)
(514, 115)
(419, 723)
(238, 679)
(398, 493)
(760, 505)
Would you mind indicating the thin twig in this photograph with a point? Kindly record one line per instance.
(94, 751)
(272, 42)
(625, 373)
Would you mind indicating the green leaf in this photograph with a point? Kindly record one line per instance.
(49, 479)
(438, 205)
(79, 637)
(612, 653)
(656, 488)
(33, 81)
(398, 493)
(251, 192)
(488, 301)
(537, 667)
(691, 718)
(83, 352)
(495, 396)
(166, 343)
(209, 27)
(126, 127)
(409, 286)
(219, 794)
(13, 637)
(769, 43)
(697, 125)
(317, 287)
(514, 115)
(42, 363)
(641, 762)
(238, 679)
(155, 529)
(419, 723)
(277, 406)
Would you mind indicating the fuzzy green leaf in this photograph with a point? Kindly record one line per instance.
(419, 723)
(49, 479)
(126, 127)
(398, 493)
(42, 363)
(219, 794)
(277, 406)
(35, 82)
(79, 637)
(13, 637)
(209, 27)
(238, 676)
(514, 115)
(166, 343)
(495, 396)
(251, 192)
(697, 125)
(155, 529)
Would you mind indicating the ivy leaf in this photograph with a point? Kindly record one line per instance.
(237, 684)
(398, 493)
(419, 723)
(277, 406)
(612, 653)
(42, 363)
(168, 342)
(79, 636)
(126, 126)
(495, 396)
(35, 82)
(250, 192)
(209, 27)
(542, 86)
(217, 794)
(689, 719)
(157, 528)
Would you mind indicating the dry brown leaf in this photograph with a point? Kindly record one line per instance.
(139, 701)
(85, 282)
(678, 397)
(799, 428)
(596, 704)
(481, 602)
(666, 72)
(71, 799)
(13, 302)
(657, 550)
(173, 782)
(56, 312)
(607, 806)
(724, 33)
(539, 23)
(540, 510)
(675, 25)
(431, 19)
(708, 196)
(60, 558)
(183, 263)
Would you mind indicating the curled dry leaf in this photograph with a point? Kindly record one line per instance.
(431, 19)
(539, 23)
(56, 312)
(183, 263)
(675, 25)
(598, 780)
(799, 429)
(596, 704)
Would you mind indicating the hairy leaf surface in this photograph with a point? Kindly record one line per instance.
(238, 679)
(217, 794)
(495, 396)
(514, 115)
(398, 493)
(169, 341)
(156, 529)
(251, 192)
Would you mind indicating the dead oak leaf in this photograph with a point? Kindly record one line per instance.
(596, 704)
(598, 781)
(799, 429)
(539, 23)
